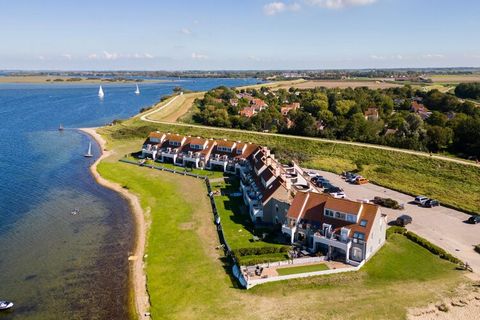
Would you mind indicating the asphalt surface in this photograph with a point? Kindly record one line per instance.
(440, 225)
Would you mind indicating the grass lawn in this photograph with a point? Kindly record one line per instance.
(302, 269)
(237, 225)
(187, 279)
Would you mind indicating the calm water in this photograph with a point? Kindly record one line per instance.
(55, 265)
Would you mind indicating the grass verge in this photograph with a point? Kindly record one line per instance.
(302, 269)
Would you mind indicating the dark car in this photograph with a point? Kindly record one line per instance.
(430, 203)
(474, 219)
(403, 220)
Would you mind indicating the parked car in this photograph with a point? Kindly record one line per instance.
(352, 178)
(420, 200)
(474, 219)
(361, 180)
(317, 178)
(403, 220)
(430, 203)
(312, 174)
(335, 192)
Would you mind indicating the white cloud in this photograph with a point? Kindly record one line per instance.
(148, 56)
(253, 58)
(41, 58)
(93, 56)
(273, 8)
(110, 56)
(433, 56)
(198, 56)
(67, 56)
(339, 4)
(186, 31)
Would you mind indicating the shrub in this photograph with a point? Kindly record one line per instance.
(253, 260)
(241, 252)
(477, 248)
(395, 229)
(431, 247)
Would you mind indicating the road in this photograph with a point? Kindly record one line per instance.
(442, 226)
(145, 117)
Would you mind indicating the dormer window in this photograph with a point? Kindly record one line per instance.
(239, 151)
(329, 213)
(175, 143)
(351, 218)
(363, 223)
(359, 235)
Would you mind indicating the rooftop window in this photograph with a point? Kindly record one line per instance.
(363, 223)
(359, 235)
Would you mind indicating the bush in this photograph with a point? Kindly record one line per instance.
(477, 248)
(241, 252)
(253, 260)
(395, 229)
(431, 247)
(387, 202)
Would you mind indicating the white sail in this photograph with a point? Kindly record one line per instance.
(137, 91)
(100, 92)
(89, 152)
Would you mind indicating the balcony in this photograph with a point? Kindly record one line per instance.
(331, 239)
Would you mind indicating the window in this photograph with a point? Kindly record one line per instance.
(340, 215)
(359, 235)
(239, 151)
(351, 218)
(329, 213)
(363, 223)
(276, 208)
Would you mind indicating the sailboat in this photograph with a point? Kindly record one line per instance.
(61, 127)
(137, 92)
(100, 93)
(89, 152)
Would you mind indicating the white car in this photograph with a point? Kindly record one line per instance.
(312, 174)
(420, 200)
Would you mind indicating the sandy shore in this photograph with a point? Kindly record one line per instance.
(138, 278)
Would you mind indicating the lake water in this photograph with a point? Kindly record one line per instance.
(53, 264)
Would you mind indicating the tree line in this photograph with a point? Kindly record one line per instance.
(449, 124)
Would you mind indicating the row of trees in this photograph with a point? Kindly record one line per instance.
(453, 125)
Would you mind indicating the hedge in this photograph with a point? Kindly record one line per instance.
(259, 259)
(477, 248)
(255, 251)
(436, 250)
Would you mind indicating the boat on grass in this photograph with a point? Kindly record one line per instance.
(5, 305)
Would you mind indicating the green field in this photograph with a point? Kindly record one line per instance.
(454, 184)
(187, 277)
(302, 269)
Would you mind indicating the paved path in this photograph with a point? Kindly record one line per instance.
(442, 226)
(418, 153)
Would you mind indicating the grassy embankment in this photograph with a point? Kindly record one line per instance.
(187, 280)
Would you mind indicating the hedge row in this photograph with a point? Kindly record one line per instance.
(253, 260)
(436, 250)
(477, 248)
(259, 251)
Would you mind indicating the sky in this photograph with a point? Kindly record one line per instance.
(238, 34)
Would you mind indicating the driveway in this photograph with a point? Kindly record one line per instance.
(442, 226)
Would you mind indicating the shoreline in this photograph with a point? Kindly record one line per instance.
(65, 80)
(138, 279)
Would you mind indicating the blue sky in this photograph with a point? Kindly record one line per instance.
(247, 34)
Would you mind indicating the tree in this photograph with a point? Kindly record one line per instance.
(438, 138)
(304, 124)
(437, 119)
(468, 90)
(342, 107)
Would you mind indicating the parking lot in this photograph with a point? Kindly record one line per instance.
(442, 226)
